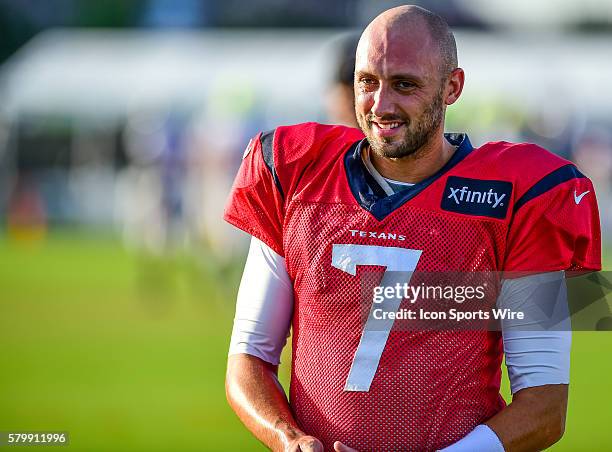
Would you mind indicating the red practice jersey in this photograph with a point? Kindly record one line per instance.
(305, 191)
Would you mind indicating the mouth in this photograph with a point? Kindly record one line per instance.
(386, 128)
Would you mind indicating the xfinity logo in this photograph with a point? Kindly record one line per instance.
(488, 198)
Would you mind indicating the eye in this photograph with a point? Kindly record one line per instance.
(404, 84)
(367, 82)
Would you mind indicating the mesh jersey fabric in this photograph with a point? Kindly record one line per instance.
(296, 192)
(431, 388)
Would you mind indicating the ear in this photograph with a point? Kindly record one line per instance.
(454, 86)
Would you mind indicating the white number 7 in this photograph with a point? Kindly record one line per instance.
(402, 261)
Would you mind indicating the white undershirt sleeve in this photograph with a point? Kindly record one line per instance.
(537, 349)
(264, 306)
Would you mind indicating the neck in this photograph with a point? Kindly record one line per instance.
(418, 166)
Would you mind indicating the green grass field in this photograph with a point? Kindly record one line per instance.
(128, 354)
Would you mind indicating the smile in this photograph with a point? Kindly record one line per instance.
(392, 125)
(386, 129)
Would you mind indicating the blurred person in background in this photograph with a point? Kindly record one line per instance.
(340, 100)
(215, 139)
(322, 201)
(148, 194)
(593, 153)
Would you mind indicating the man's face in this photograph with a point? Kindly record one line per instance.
(399, 94)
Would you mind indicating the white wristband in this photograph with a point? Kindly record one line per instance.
(481, 439)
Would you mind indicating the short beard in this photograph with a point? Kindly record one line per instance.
(423, 129)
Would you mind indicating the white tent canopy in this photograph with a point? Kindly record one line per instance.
(111, 73)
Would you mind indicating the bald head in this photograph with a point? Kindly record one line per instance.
(410, 22)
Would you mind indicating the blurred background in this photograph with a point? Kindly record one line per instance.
(122, 124)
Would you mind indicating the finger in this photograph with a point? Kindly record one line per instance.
(339, 447)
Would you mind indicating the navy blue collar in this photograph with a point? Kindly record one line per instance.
(373, 198)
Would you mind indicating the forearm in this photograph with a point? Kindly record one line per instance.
(255, 394)
(534, 420)
(538, 361)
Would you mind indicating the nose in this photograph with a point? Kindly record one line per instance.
(383, 102)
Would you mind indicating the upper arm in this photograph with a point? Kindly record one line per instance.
(264, 306)
(537, 347)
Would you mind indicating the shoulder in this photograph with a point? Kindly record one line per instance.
(554, 224)
(526, 159)
(294, 142)
(527, 165)
(290, 150)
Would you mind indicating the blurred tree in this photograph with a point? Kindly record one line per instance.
(108, 13)
(15, 29)
(20, 20)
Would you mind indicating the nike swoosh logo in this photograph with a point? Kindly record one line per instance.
(578, 197)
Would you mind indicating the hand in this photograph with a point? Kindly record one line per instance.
(339, 447)
(305, 443)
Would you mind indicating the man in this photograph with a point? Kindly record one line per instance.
(327, 207)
